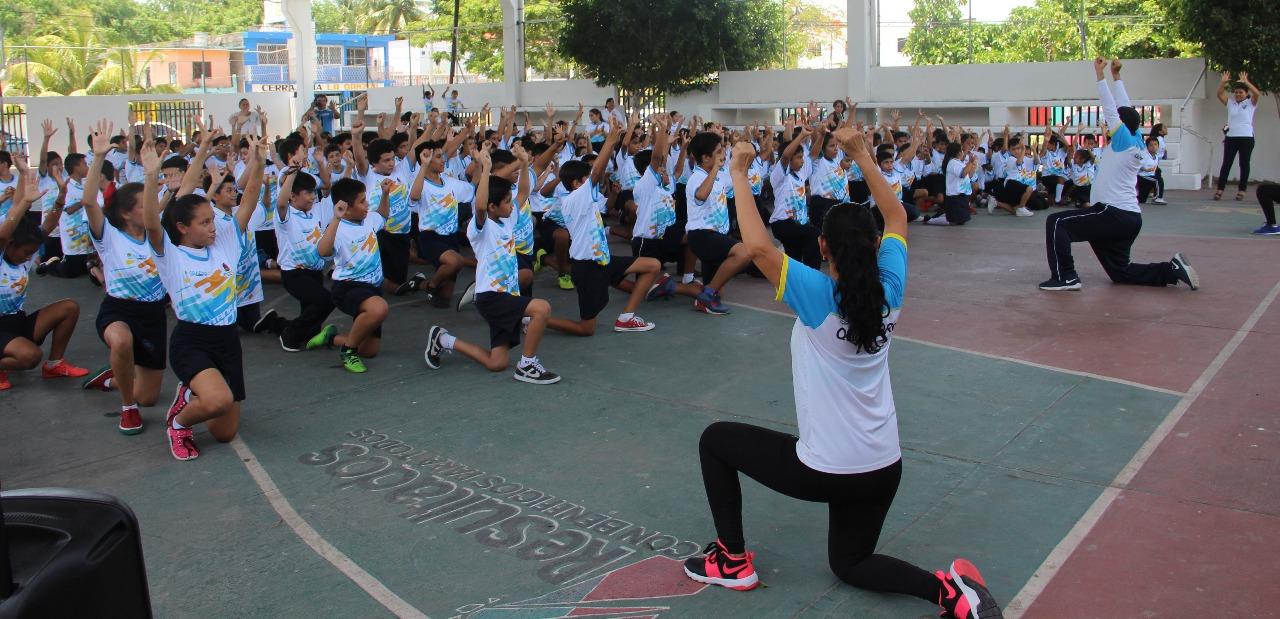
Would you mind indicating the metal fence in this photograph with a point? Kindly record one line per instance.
(13, 128)
(174, 118)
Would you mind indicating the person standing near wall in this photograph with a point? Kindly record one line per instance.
(1239, 139)
(322, 110)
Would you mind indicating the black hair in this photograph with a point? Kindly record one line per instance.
(526, 142)
(1088, 154)
(108, 170)
(304, 182)
(596, 111)
(573, 171)
(898, 135)
(953, 151)
(539, 148)
(378, 148)
(1152, 138)
(72, 160)
(346, 190)
(883, 155)
(180, 211)
(1014, 140)
(940, 135)
(489, 133)
(367, 137)
(207, 183)
(589, 158)
(1157, 128)
(219, 140)
(51, 157)
(5, 157)
(27, 233)
(406, 117)
(501, 157)
(175, 161)
(499, 190)
(703, 145)
(124, 200)
(997, 144)
(116, 139)
(331, 148)
(851, 234)
(642, 159)
(342, 137)
(174, 144)
(417, 150)
(286, 148)
(399, 138)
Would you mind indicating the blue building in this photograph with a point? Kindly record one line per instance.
(344, 62)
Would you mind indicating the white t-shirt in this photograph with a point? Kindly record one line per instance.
(1116, 182)
(298, 236)
(655, 206)
(201, 282)
(1240, 118)
(11, 183)
(844, 399)
(709, 214)
(248, 277)
(437, 208)
(355, 250)
(74, 227)
(829, 180)
(789, 197)
(128, 265)
(1149, 165)
(14, 280)
(495, 249)
(592, 128)
(587, 238)
(400, 217)
(248, 126)
(958, 183)
(1082, 175)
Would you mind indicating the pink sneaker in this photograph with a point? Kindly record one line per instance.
(130, 421)
(180, 398)
(635, 325)
(5, 385)
(182, 443)
(62, 369)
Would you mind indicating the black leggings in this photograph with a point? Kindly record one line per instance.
(1268, 195)
(857, 504)
(314, 301)
(1231, 146)
(1146, 186)
(799, 241)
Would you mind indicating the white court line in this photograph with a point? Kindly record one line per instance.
(376, 590)
(1040, 579)
(1033, 364)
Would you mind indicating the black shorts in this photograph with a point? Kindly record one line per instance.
(394, 251)
(546, 233)
(432, 245)
(1010, 192)
(504, 313)
(667, 248)
(348, 296)
(194, 348)
(710, 246)
(624, 196)
(147, 321)
(19, 325)
(682, 205)
(268, 248)
(524, 262)
(592, 281)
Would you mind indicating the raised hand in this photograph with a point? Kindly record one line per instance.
(743, 155)
(102, 136)
(521, 154)
(1099, 65)
(1226, 76)
(340, 209)
(1115, 68)
(1244, 77)
(150, 159)
(482, 155)
(362, 104)
(399, 102)
(388, 184)
(426, 155)
(550, 110)
(49, 129)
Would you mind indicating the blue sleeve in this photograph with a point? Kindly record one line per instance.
(808, 292)
(893, 269)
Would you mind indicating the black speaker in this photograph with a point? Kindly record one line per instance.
(70, 553)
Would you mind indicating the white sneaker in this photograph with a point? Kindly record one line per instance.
(937, 220)
(1023, 212)
(991, 205)
(1159, 201)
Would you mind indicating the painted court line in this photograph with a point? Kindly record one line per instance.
(376, 590)
(1045, 573)
(1033, 364)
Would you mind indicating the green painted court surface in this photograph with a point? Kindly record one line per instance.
(466, 493)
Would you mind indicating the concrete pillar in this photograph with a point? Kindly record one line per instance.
(512, 49)
(297, 14)
(861, 35)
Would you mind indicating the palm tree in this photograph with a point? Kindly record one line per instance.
(387, 16)
(74, 60)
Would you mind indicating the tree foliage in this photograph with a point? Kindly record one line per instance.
(74, 60)
(670, 45)
(1046, 31)
(480, 35)
(1236, 35)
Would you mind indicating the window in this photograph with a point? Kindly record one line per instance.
(357, 56)
(329, 55)
(173, 73)
(201, 70)
(273, 53)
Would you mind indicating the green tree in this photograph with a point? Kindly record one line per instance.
(76, 60)
(387, 16)
(1236, 35)
(937, 35)
(480, 35)
(809, 26)
(670, 45)
(335, 15)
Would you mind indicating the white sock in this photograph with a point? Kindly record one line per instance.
(107, 383)
(625, 316)
(52, 362)
(446, 341)
(527, 361)
(126, 407)
(178, 426)
(687, 278)
(1057, 193)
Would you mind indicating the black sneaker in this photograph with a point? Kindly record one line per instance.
(716, 567)
(1183, 271)
(432, 354)
(436, 298)
(287, 347)
(411, 285)
(1057, 284)
(268, 318)
(43, 267)
(964, 593)
(535, 374)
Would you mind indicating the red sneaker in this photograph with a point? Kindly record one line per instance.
(964, 593)
(5, 385)
(98, 380)
(130, 421)
(182, 443)
(635, 325)
(180, 398)
(62, 369)
(716, 567)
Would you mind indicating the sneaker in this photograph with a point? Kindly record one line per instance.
(93, 279)
(181, 396)
(635, 325)
(5, 385)
(43, 267)
(436, 299)
(62, 369)
(536, 374)
(286, 347)
(411, 285)
(271, 263)
(665, 288)
(98, 380)
(130, 421)
(991, 205)
(468, 296)
(1268, 229)
(323, 338)
(1023, 211)
(265, 321)
(937, 220)
(432, 354)
(716, 567)
(1183, 271)
(708, 303)
(352, 361)
(565, 282)
(182, 442)
(1057, 284)
(537, 259)
(964, 593)
(1159, 201)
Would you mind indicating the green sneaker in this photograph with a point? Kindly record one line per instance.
(537, 260)
(566, 282)
(352, 361)
(323, 338)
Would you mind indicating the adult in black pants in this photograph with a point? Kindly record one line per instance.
(1239, 131)
(1112, 224)
(1268, 195)
(847, 454)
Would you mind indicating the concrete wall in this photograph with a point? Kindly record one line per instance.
(281, 119)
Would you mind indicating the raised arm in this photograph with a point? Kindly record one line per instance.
(384, 203)
(151, 199)
(1254, 93)
(256, 164)
(286, 190)
(101, 133)
(601, 163)
(895, 217)
(1222, 87)
(357, 145)
(765, 256)
(49, 130)
(1104, 94)
(481, 202)
(26, 193)
(324, 247)
(658, 158)
(71, 136)
(415, 190)
(1121, 96)
(196, 169)
(522, 189)
(815, 145)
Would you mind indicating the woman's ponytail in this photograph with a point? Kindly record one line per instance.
(851, 234)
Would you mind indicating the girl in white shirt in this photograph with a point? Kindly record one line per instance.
(1239, 131)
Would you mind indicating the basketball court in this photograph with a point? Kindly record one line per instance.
(1107, 453)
